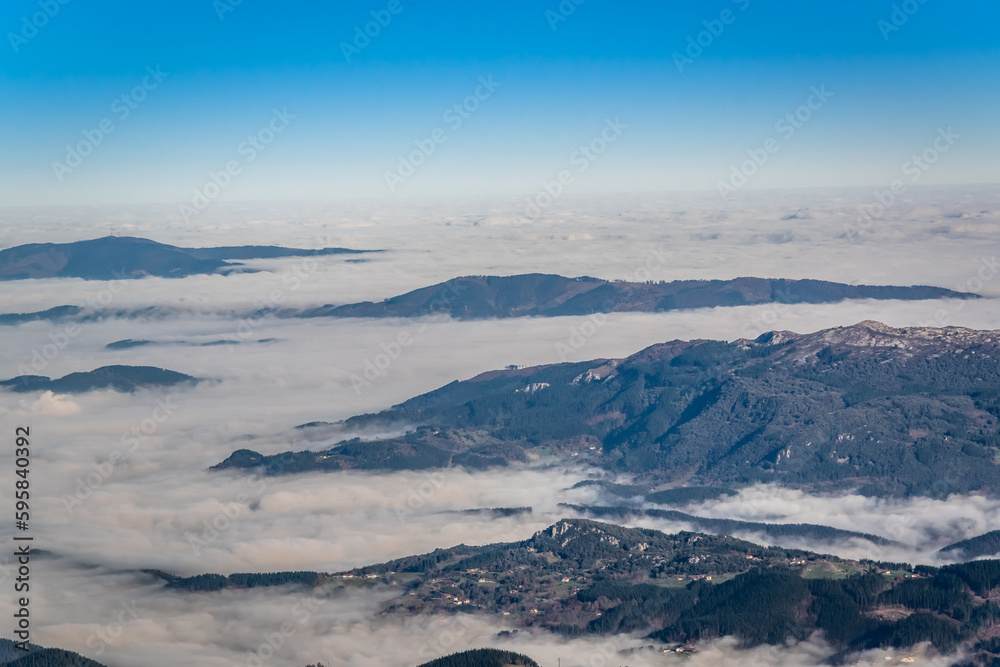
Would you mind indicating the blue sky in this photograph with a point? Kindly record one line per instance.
(896, 73)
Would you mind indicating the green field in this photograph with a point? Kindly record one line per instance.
(826, 570)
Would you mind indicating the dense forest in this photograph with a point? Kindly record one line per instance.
(581, 577)
(943, 606)
(987, 544)
(53, 657)
(37, 656)
(886, 411)
(216, 582)
(483, 657)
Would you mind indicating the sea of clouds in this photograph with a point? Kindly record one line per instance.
(121, 481)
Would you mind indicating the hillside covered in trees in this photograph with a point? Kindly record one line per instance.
(119, 378)
(889, 411)
(987, 544)
(216, 582)
(483, 657)
(580, 577)
(38, 656)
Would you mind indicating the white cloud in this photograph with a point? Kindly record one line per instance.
(54, 405)
(138, 486)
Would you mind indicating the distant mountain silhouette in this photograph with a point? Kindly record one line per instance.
(119, 378)
(529, 295)
(123, 257)
(537, 294)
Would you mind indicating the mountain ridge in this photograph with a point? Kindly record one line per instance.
(579, 577)
(537, 295)
(912, 411)
(129, 257)
(121, 378)
(550, 295)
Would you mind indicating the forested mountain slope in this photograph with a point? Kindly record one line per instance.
(890, 411)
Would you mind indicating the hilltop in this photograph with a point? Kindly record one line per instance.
(119, 378)
(580, 577)
(888, 411)
(125, 257)
(544, 295)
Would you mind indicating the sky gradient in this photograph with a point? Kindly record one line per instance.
(351, 117)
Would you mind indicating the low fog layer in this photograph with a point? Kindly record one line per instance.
(310, 370)
(932, 236)
(122, 619)
(120, 481)
(922, 526)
